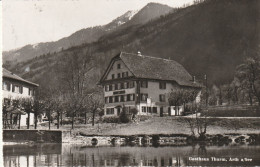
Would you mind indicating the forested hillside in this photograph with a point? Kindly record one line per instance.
(208, 38)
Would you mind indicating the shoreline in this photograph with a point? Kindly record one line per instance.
(154, 139)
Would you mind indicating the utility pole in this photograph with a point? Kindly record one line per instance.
(206, 84)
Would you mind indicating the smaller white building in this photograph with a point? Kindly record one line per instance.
(16, 88)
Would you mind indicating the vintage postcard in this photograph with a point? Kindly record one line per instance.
(130, 83)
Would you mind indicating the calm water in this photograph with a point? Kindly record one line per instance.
(43, 155)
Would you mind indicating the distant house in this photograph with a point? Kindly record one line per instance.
(13, 89)
(143, 82)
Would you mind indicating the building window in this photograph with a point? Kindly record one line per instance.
(144, 97)
(162, 98)
(113, 76)
(118, 66)
(133, 97)
(110, 111)
(21, 89)
(128, 97)
(126, 85)
(116, 98)
(106, 100)
(122, 85)
(110, 99)
(119, 75)
(154, 110)
(144, 109)
(122, 98)
(16, 89)
(149, 109)
(144, 84)
(107, 88)
(116, 87)
(131, 84)
(124, 74)
(162, 85)
(6, 86)
(31, 92)
(110, 87)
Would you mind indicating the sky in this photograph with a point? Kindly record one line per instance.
(33, 21)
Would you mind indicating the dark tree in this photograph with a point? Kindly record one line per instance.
(248, 74)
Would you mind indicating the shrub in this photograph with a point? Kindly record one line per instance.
(113, 119)
(101, 113)
(133, 111)
(66, 121)
(124, 117)
(144, 117)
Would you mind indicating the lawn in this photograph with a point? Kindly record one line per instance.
(165, 125)
(172, 125)
(232, 111)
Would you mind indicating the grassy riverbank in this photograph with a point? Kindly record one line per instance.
(171, 125)
(166, 125)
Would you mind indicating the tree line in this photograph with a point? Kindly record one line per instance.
(71, 96)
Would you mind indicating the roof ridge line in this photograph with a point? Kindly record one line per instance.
(149, 56)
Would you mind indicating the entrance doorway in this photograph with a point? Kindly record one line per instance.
(161, 111)
(169, 111)
(118, 111)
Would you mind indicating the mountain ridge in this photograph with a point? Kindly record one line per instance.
(86, 35)
(209, 38)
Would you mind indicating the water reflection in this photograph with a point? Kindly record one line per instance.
(43, 155)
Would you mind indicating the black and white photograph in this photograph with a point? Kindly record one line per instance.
(102, 83)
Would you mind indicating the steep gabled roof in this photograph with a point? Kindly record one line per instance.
(147, 67)
(10, 75)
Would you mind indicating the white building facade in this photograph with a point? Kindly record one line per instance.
(15, 88)
(137, 81)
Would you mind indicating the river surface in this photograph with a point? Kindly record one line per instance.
(65, 155)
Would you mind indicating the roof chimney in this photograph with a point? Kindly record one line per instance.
(139, 53)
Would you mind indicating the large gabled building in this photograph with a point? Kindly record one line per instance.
(15, 88)
(143, 82)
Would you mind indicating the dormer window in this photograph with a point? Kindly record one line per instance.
(119, 75)
(144, 84)
(118, 66)
(124, 74)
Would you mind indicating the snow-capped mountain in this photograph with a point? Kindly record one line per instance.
(87, 35)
